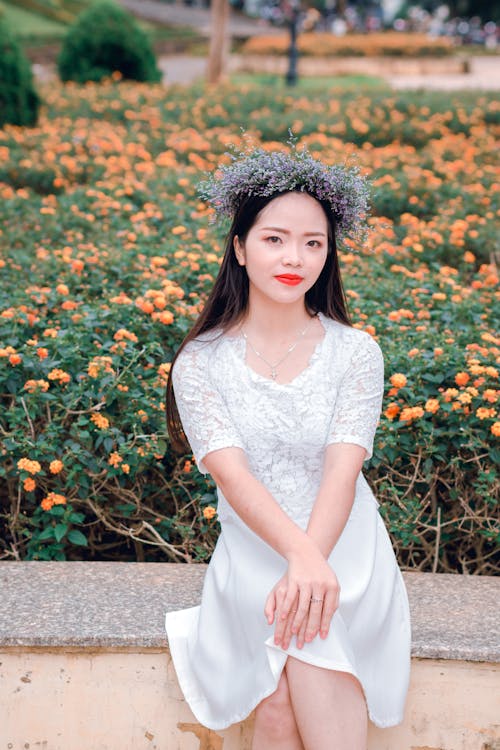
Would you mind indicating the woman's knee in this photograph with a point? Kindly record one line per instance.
(274, 715)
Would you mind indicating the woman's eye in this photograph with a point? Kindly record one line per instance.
(273, 239)
(314, 243)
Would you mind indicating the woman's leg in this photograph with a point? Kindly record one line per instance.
(329, 707)
(275, 726)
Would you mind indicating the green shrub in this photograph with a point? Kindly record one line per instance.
(19, 101)
(104, 39)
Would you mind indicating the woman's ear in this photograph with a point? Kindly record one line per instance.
(239, 251)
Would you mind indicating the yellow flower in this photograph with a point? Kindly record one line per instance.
(209, 512)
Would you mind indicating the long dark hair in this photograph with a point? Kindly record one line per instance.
(228, 301)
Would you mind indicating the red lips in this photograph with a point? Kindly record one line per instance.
(291, 279)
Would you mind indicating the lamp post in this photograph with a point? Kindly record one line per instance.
(293, 53)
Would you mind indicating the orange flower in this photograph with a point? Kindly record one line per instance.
(484, 413)
(398, 380)
(52, 499)
(32, 467)
(438, 351)
(42, 352)
(462, 378)
(29, 484)
(469, 257)
(15, 359)
(33, 385)
(125, 468)
(100, 421)
(56, 466)
(409, 413)
(490, 395)
(413, 352)
(495, 429)
(392, 411)
(60, 375)
(432, 405)
(209, 512)
(187, 467)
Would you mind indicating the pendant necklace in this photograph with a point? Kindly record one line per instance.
(290, 349)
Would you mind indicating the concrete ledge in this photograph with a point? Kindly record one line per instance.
(103, 604)
(84, 661)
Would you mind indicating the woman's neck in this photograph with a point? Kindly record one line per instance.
(273, 320)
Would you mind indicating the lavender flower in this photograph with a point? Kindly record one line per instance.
(263, 173)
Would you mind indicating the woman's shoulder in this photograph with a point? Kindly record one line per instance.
(199, 351)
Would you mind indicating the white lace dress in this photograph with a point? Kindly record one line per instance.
(223, 650)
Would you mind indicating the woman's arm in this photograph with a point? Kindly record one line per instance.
(342, 465)
(308, 574)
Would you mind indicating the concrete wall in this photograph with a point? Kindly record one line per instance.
(129, 699)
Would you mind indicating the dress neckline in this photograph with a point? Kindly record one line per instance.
(239, 342)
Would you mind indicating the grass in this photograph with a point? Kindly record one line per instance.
(310, 84)
(30, 26)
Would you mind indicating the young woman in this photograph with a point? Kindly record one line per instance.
(304, 614)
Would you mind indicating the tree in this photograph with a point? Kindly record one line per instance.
(219, 41)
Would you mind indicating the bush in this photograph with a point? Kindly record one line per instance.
(105, 39)
(106, 254)
(314, 44)
(19, 101)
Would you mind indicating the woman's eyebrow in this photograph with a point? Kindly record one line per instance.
(287, 231)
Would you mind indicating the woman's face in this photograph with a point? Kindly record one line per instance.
(285, 249)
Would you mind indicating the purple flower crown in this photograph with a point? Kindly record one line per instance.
(263, 173)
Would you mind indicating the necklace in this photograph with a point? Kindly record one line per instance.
(288, 351)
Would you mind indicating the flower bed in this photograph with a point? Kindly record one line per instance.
(323, 44)
(107, 254)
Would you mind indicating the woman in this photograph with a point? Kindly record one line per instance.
(304, 615)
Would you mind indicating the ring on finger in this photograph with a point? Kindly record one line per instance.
(315, 600)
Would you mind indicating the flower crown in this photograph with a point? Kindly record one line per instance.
(263, 173)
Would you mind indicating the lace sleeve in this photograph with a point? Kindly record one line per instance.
(202, 409)
(359, 400)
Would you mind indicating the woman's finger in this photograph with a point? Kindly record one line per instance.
(287, 635)
(302, 633)
(314, 619)
(284, 602)
(270, 607)
(302, 608)
(330, 605)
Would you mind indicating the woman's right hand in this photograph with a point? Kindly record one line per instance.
(304, 600)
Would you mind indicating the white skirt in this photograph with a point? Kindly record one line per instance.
(223, 650)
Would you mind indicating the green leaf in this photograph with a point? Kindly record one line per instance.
(47, 533)
(76, 537)
(60, 530)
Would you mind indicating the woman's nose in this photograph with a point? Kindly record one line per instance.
(292, 255)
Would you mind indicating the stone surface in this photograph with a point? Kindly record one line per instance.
(107, 604)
